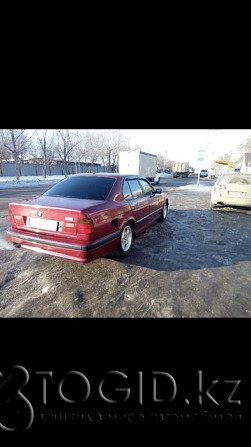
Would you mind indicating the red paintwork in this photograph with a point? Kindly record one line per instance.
(83, 240)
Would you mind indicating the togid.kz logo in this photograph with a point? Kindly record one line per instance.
(16, 411)
(17, 405)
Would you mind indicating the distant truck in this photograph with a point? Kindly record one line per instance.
(180, 169)
(138, 163)
(212, 173)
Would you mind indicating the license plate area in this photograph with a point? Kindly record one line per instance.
(42, 224)
(237, 194)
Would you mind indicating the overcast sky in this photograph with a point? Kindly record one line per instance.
(184, 144)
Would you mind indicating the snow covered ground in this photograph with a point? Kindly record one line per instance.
(11, 182)
(196, 187)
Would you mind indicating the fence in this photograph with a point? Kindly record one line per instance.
(8, 169)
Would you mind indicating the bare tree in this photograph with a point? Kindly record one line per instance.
(45, 141)
(163, 162)
(66, 142)
(246, 146)
(102, 147)
(4, 153)
(114, 142)
(160, 162)
(17, 142)
(226, 157)
(92, 147)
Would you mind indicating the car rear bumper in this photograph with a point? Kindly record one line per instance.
(70, 250)
(231, 201)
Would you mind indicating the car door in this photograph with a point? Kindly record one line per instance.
(154, 200)
(139, 202)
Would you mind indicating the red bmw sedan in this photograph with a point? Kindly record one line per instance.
(87, 216)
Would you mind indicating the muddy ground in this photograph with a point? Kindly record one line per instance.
(196, 264)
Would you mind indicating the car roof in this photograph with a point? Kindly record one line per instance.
(99, 174)
(235, 174)
(107, 174)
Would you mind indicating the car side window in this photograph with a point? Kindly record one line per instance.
(148, 189)
(135, 188)
(126, 191)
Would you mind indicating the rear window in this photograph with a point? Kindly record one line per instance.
(92, 188)
(236, 179)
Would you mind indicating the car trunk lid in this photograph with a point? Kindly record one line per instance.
(237, 186)
(47, 215)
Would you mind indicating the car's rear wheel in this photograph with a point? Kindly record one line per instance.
(126, 239)
(163, 213)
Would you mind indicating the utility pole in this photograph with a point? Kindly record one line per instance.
(200, 159)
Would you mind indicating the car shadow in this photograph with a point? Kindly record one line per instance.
(193, 239)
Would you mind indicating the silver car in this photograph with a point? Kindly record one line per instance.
(232, 190)
(204, 173)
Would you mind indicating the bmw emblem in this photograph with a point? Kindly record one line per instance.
(39, 213)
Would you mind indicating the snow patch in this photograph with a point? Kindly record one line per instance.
(45, 289)
(195, 187)
(11, 182)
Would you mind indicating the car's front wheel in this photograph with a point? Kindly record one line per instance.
(126, 239)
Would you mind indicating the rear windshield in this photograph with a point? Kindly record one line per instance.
(91, 187)
(236, 179)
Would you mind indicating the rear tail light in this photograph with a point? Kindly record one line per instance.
(220, 187)
(85, 225)
(16, 219)
(11, 218)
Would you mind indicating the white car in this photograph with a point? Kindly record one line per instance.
(162, 176)
(232, 190)
(204, 173)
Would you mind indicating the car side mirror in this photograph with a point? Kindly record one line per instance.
(158, 190)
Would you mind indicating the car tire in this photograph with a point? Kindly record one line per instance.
(163, 213)
(126, 239)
